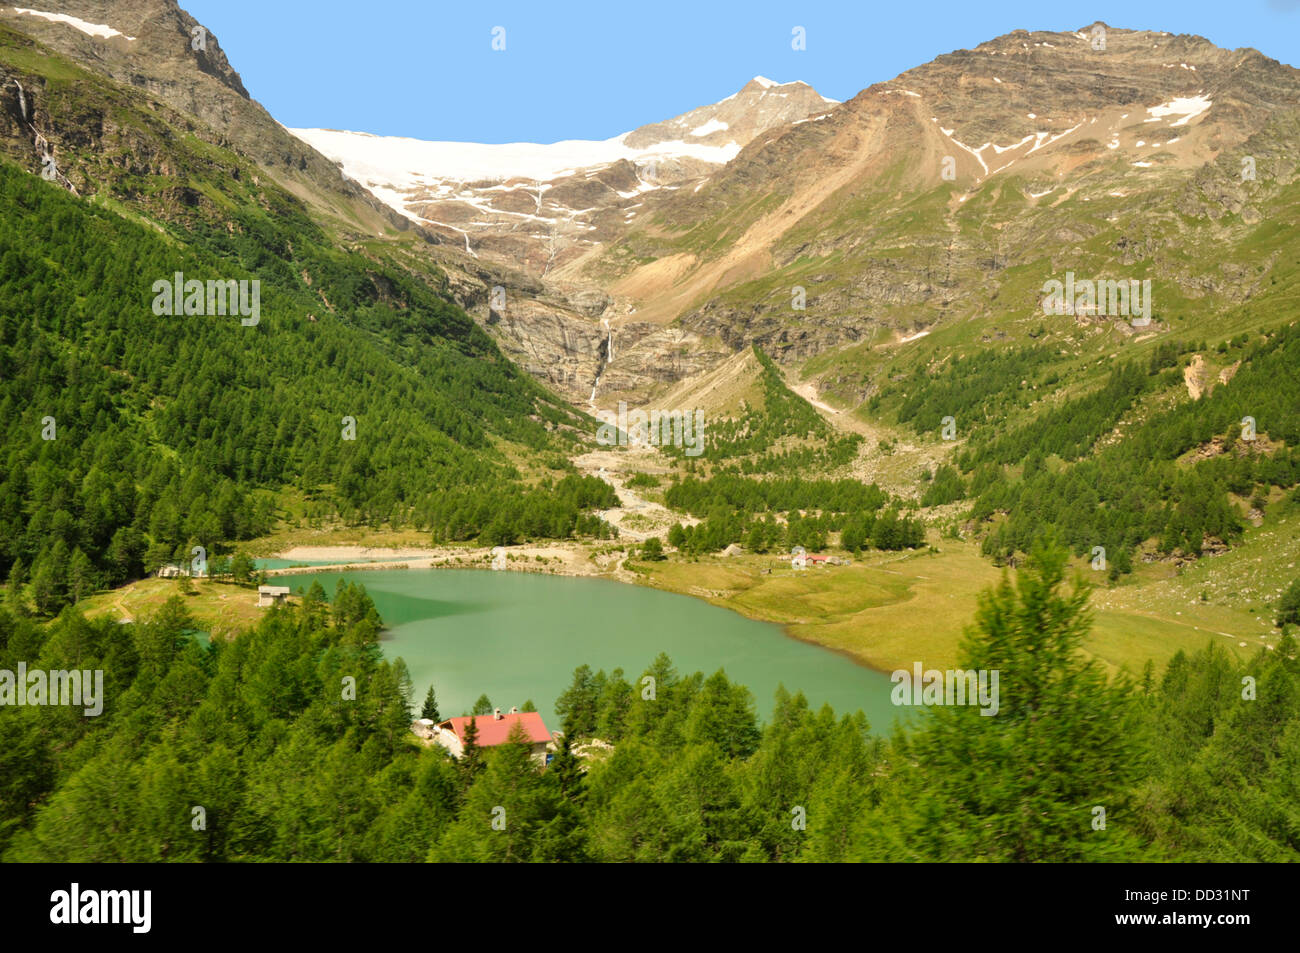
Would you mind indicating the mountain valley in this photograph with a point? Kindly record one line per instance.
(993, 365)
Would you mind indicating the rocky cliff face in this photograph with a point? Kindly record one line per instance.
(158, 48)
(549, 343)
(535, 211)
(949, 193)
(553, 336)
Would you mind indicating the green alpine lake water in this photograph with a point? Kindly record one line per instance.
(519, 636)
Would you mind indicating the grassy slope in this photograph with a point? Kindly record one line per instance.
(890, 610)
(218, 608)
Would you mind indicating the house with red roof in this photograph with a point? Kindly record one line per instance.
(494, 730)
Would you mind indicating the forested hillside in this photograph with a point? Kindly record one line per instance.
(135, 436)
(166, 428)
(260, 733)
(779, 434)
(1165, 476)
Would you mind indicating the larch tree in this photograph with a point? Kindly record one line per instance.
(1046, 778)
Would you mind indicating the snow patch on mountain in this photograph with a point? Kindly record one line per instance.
(90, 29)
(1188, 107)
(401, 163)
(770, 84)
(713, 125)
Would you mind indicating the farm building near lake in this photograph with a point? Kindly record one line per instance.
(270, 595)
(493, 730)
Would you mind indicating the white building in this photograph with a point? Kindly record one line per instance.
(271, 595)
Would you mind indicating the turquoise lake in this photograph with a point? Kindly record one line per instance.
(518, 636)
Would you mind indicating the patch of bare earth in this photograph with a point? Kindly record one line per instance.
(897, 471)
(636, 518)
(1195, 377)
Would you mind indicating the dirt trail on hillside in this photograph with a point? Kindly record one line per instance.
(891, 471)
(637, 518)
(845, 422)
(809, 393)
(117, 603)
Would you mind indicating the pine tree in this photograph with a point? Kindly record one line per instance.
(124, 555)
(430, 709)
(578, 704)
(471, 757)
(566, 767)
(852, 538)
(15, 598)
(1023, 784)
(483, 706)
(1288, 607)
(49, 581)
(241, 568)
(508, 813)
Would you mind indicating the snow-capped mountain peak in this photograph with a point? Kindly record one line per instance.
(503, 198)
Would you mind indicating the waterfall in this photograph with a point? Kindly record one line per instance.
(606, 358)
(41, 144)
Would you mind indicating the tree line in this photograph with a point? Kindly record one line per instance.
(745, 510)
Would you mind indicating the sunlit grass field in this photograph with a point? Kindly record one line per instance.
(219, 608)
(890, 610)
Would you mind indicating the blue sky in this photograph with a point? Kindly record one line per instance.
(579, 70)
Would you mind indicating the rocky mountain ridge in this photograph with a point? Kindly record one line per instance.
(954, 191)
(158, 48)
(535, 206)
(774, 217)
(949, 193)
